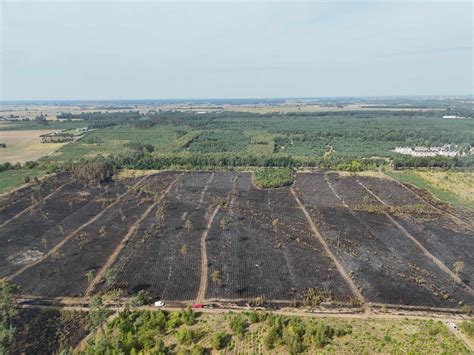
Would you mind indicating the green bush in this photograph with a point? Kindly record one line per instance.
(188, 316)
(98, 311)
(435, 328)
(256, 317)
(174, 321)
(219, 340)
(31, 164)
(142, 298)
(238, 324)
(273, 335)
(199, 350)
(185, 335)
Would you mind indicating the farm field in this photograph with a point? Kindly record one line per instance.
(216, 236)
(25, 145)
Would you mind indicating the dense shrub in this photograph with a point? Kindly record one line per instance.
(219, 340)
(297, 336)
(93, 171)
(238, 324)
(185, 335)
(142, 298)
(273, 177)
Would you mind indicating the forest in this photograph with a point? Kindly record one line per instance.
(353, 141)
(329, 140)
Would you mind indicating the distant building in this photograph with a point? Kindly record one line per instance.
(56, 137)
(453, 117)
(446, 150)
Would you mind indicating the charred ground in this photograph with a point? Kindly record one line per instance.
(215, 235)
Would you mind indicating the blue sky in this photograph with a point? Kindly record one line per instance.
(118, 50)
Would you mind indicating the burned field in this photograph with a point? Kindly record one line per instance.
(200, 236)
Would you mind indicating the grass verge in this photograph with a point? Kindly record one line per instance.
(437, 185)
(13, 178)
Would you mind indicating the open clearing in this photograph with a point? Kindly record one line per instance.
(23, 146)
(455, 187)
(328, 238)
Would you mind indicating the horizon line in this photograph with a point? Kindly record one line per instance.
(244, 98)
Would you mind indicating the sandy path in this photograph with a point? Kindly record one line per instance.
(204, 269)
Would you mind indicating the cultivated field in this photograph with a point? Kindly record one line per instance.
(215, 236)
(24, 145)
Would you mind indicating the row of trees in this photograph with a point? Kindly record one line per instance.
(8, 166)
(407, 161)
(101, 168)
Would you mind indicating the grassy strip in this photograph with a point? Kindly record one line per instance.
(467, 327)
(412, 177)
(269, 178)
(33, 125)
(13, 178)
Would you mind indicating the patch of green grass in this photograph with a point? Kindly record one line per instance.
(13, 178)
(467, 327)
(269, 178)
(410, 176)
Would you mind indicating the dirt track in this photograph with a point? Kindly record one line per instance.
(204, 270)
(339, 266)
